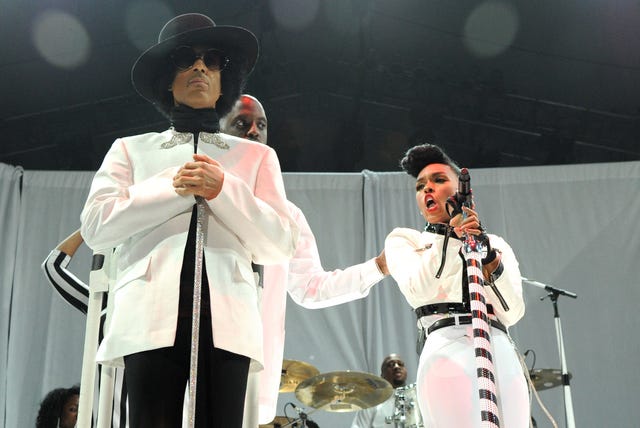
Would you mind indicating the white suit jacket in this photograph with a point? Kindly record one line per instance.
(309, 285)
(414, 257)
(133, 206)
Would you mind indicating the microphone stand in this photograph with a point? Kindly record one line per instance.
(553, 295)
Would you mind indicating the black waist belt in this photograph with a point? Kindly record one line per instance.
(465, 319)
(447, 308)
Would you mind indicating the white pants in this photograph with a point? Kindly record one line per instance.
(447, 384)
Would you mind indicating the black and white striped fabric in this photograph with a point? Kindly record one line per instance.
(76, 293)
(481, 338)
(65, 283)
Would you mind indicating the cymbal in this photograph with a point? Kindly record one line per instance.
(546, 378)
(345, 391)
(294, 372)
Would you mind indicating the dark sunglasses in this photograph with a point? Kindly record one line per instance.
(183, 57)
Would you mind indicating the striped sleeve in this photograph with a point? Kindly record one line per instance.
(76, 293)
(67, 285)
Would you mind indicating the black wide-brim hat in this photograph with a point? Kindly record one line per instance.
(191, 29)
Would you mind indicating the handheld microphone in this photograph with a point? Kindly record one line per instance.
(464, 188)
(462, 198)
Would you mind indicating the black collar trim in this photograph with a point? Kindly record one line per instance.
(440, 229)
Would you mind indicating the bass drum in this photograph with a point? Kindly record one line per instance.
(406, 413)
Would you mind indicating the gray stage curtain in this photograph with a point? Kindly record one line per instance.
(573, 227)
(46, 336)
(9, 219)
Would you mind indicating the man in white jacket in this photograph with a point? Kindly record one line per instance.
(143, 202)
(303, 277)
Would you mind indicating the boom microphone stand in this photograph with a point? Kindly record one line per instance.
(553, 295)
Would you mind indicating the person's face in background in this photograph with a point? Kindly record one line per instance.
(394, 371)
(434, 185)
(69, 414)
(247, 120)
(197, 84)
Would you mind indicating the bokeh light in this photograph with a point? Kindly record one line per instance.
(294, 15)
(491, 28)
(61, 39)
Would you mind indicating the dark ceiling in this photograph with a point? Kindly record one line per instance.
(347, 84)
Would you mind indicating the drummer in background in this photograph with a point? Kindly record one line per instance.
(394, 371)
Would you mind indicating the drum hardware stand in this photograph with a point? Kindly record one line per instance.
(399, 418)
(553, 295)
(302, 417)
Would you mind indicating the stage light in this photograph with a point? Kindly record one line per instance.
(490, 29)
(61, 39)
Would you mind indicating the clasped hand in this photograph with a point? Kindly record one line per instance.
(469, 224)
(202, 177)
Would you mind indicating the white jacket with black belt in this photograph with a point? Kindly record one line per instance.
(132, 205)
(414, 257)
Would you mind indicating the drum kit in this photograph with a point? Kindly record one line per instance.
(406, 413)
(343, 391)
(348, 391)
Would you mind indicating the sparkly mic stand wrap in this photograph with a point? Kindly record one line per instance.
(195, 316)
(472, 250)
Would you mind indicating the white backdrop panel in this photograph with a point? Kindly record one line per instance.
(574, 227)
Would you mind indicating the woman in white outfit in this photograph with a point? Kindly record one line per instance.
(430, 271)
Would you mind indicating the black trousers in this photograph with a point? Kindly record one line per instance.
(156, 382)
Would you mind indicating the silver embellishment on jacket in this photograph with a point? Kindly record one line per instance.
(176, 138)
(426, 247)
(186, 137)
(208, 138)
